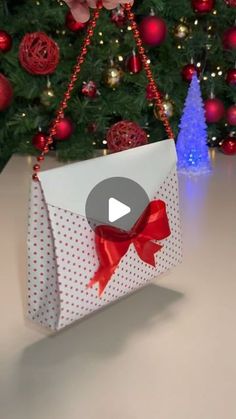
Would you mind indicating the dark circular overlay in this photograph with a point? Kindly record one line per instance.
(125, 191)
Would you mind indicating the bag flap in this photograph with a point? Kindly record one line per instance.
(68, 187)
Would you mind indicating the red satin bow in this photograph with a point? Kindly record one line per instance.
(112, 243)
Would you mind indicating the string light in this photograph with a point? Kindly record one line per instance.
(196, 22)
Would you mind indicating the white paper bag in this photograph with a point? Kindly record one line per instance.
(61, 245)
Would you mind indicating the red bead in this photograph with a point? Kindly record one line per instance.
(46, 149)
(39, 141)
(40, 158)
(36, 167)
(35, 177)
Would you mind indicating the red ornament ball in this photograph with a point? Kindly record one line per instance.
(89, 89)
(125, 135)
(134, 63)
(72, 24)
(203, 6)
(6, 93)
(229, 146)
(231, 115)
(231, 77)
(229, 38)
(153, 30)
(38, 54)
(188, 71)
(39, 141)
(5, 41)
(214, 110)
(231, 3)
(118, 17)
(64, 129)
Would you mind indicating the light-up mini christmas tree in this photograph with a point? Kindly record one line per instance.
(192, 150)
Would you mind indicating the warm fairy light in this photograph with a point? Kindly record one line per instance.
(214, 12)
(117, 41)
(129, 28)
(149, 61)
(196, 22)
(213, 74)
(101, 42)
(120, 58)
(104, 142)
(198, 65)
(220, 73)
(100, 33)
(179, 46)
(205, 78)
(23, 114)
(218, 68)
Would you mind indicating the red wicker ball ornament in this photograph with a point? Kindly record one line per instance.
(38, 54)
(125, 135)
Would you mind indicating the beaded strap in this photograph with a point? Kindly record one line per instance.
(76, 70)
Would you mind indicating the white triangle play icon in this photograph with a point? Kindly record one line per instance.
(117, 210)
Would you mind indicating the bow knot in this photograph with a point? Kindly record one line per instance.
(112, 243)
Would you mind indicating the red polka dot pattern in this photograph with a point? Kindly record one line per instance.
(62, 260)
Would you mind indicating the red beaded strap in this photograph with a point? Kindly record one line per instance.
(76, 71)
(147, 68)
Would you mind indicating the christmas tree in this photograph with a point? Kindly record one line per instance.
(192, 150)
(180, 37)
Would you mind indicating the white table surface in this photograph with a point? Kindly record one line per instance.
(166, 352)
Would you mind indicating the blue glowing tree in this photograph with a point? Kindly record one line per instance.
(192, 150)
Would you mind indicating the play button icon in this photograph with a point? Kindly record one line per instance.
(117, 202)
(117, 210)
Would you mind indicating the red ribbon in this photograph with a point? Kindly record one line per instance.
(112, 243)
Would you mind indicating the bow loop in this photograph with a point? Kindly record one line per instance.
(112, 243)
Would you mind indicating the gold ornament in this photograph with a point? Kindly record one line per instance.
(181, 31)
(47, 96)
(168, 108)
(113, 76)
